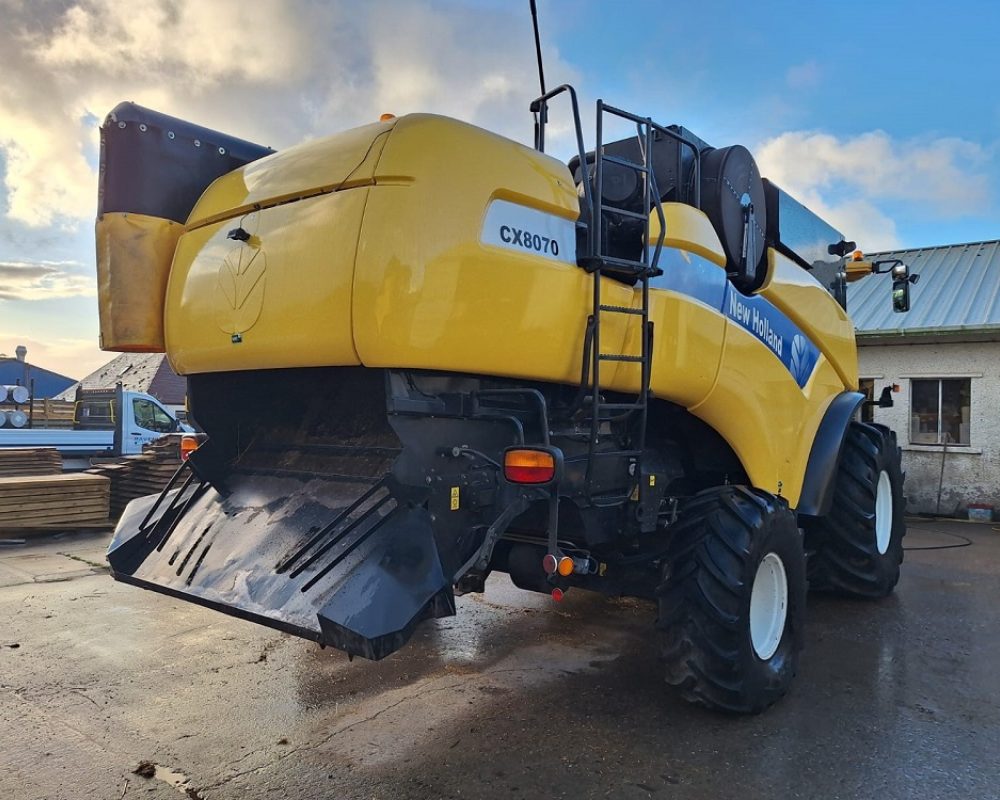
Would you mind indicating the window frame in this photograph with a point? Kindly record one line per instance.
(939, 443)
(155, 408)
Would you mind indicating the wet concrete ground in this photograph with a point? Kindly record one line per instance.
(515, 698)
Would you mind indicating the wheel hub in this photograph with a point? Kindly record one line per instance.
(768, 606)
(883, 512)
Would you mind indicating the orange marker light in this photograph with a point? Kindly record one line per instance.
(565, 566)
(857, 255)
(188, 445)
(386, 117)
(529, 466)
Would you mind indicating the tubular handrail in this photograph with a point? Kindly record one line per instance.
(540, 106)
(628, 115)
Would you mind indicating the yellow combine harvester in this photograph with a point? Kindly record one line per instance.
(423, 352)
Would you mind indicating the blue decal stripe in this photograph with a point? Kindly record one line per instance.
(698, 278)
(691, 275)
(776, 331)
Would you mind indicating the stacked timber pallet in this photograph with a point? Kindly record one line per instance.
(52, 414)
(40, 501)
(30, 461)
(141, 475)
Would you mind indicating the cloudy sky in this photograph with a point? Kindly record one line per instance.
(883, 116)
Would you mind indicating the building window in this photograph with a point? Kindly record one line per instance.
(939, 411)
(867, 388)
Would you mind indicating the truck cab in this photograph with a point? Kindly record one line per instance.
(135, 418)
(106, 423)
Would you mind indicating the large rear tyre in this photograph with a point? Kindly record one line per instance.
(860, 543)
(732, 600)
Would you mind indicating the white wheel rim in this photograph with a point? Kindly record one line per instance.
(883, 512)
(768, 606)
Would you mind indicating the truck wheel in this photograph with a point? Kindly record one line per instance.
(732, 600)
(860, 542)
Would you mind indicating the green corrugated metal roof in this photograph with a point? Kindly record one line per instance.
(958, 291)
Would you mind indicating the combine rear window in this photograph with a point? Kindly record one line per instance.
(795, 231)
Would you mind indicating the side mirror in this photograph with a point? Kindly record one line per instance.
(900, 295)
(901, 280)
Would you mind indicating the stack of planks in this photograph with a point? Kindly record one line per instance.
(141, 475)
(52, 414)
(31, 501)
(29, 461)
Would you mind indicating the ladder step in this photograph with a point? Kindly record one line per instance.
(621, 406)
(624, 212)
(622, 310)
(612, 264)
(615, 357)
(624, 162)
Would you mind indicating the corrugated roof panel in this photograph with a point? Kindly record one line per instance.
(959, 288)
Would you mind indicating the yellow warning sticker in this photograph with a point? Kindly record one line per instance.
(652, 480)
(454, 498)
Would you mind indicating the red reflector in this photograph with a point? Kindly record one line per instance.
(550, 564)
(558, 594)
(529, 466)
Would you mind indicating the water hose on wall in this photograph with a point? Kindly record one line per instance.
(944, 455)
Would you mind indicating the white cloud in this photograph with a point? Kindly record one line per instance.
(200, 43)
(43, 280)
(274, 71)
(941, 176)
(940, 173)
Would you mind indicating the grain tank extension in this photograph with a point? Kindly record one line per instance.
(423, 352)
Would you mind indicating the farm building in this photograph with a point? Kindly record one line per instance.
(19, 370)
(944, 355)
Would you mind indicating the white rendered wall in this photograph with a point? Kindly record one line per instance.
(971, 474)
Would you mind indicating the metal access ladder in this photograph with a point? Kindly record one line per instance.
(601, 265)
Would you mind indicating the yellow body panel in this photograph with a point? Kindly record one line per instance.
(764, 416)
(689, 229)
(401, 271)
(688, 334)
(282, 299)
(804, 300)
(134, 252)
(429, 294)
(335, 162)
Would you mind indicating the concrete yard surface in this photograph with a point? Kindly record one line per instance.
(516, 697)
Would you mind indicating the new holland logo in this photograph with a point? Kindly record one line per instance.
(757, 323)
(240, 289)
(776, 332)
(802, 362)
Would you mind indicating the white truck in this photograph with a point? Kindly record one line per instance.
(107, 423)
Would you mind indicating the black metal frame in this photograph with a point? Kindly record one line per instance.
(600, 264)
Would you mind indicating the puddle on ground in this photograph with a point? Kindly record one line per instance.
(177, 779)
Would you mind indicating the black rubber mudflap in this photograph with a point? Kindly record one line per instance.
(349, 564)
